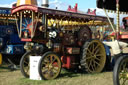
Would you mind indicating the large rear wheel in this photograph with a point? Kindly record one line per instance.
(49, 66)
(93, 57)
(120, 72)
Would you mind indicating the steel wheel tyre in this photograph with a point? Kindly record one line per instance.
(120, 72)
(0, 59)
(25, 63)
(49, 66)
(93, 57)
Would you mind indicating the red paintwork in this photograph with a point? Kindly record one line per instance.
(55, 64)
(27, 40)
(24, 7)
(90, 12)
(67, 61)
(73, 9)
(69, 50)
(112, 34)
(124, 35)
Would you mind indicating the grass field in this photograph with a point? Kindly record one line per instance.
(8, 77)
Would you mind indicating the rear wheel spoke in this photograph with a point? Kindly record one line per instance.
(96, 47)
(97, 59)
(97, 51)
(97, 63)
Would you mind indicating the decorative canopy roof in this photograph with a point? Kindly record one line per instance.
(111, 5)
(59, 14)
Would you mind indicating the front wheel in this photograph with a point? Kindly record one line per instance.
(120, 72)
(25, 63)
(49, 66)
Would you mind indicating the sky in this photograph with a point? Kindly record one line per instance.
(83, 5)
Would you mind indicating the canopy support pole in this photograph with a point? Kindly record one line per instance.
(109, 21)
(118, 20)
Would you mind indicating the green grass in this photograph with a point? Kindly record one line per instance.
(8, 77)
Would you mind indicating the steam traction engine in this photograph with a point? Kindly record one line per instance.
(11, 48)
(62, 39)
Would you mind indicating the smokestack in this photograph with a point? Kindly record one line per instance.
(45, 3)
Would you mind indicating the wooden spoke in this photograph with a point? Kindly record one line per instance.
(89, 51)
(97, 63)
(96, 51)
(98, 59)
(96, 47)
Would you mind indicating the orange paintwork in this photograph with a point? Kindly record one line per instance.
(30, 2)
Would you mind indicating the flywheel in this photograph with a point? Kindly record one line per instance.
(84, 34)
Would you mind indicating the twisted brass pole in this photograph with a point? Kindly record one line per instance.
(118, 20)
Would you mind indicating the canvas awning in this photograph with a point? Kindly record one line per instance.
(111, 5)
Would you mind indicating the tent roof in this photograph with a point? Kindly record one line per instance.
(111, 5)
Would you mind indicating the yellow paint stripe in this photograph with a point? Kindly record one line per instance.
(18, 2)
(0, 58)
(30, 2)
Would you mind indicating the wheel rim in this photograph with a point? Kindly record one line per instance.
(0, 58)
(26, 65)
(95, 57)
(123, 72)
(50, 66)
